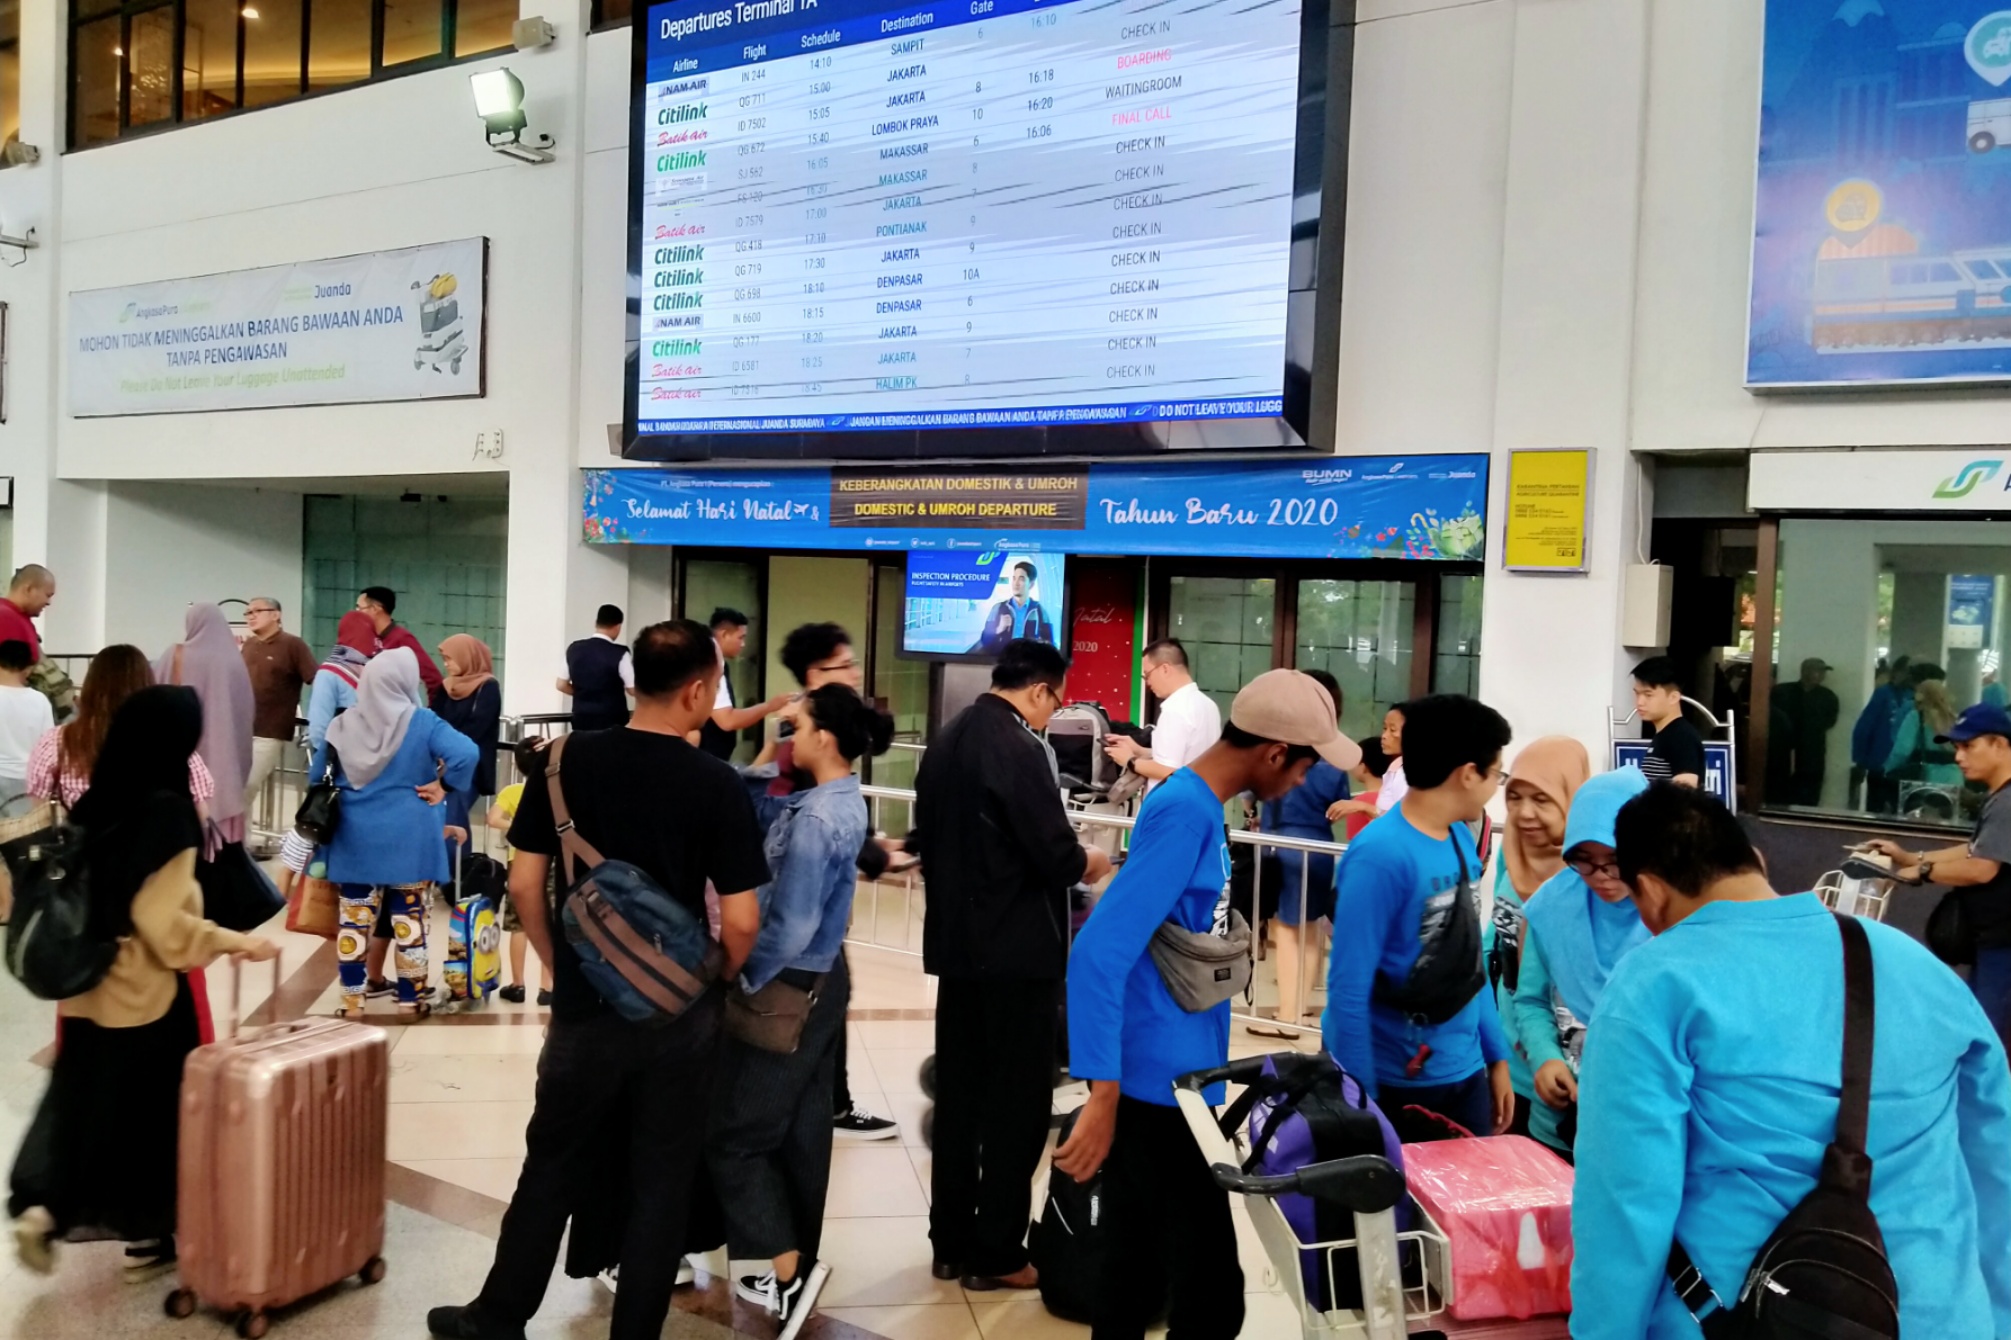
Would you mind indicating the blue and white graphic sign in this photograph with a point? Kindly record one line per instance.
(1414, 507)
(1882, 224)
(1717, 766)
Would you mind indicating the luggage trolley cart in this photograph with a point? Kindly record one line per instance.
(1368, 1185)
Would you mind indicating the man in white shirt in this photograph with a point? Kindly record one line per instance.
(1189, 722)
(25, 715)
(721, 734)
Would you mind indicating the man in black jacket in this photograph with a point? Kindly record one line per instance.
(999, 857)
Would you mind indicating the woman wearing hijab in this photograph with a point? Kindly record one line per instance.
(100, 1159)
(1581, 923)
(395, 761)
(471, 701)
(60, 767)
(335, 682)
(1547, 773)
(208, 660)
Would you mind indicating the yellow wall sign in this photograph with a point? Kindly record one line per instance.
(1549, 498)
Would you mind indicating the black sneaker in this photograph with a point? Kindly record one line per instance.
(380, 986)
(856, 1123)
(790, 1303)
(514, 994)
(463, 1323)
(145, 1259)
(544, 996)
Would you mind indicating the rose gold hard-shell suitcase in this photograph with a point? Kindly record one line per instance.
(282, 1166)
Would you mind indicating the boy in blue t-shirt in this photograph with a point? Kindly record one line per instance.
(1400, 876)
(1166, 1221)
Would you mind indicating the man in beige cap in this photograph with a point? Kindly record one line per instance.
(1166, 1221)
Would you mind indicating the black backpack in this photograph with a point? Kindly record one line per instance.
(1066, 1244)
(1823, 1275)
(1450, 969)
(50, 949)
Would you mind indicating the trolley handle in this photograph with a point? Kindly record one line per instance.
(1364, 1184)
(1236, 1072)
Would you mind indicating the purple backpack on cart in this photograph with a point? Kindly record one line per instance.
(1307, 1110)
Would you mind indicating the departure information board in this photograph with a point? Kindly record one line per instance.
(970, 214)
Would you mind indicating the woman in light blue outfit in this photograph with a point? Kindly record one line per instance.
(1547, 773)
(1581, 923)
(1918, 751)
(395, 761)
(334, 690)
(769, 1144)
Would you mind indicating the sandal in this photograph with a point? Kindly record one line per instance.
(1278, 1031)
(416, 1011)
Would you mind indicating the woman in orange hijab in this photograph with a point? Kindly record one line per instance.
(1544, 777)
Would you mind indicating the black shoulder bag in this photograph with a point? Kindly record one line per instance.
(1824, 1271)
(1450, 969)
(320, 811)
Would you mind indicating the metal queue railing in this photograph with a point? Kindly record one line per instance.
(892, 813)
(897, 803)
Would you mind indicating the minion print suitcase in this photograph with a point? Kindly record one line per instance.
(474, 966)
(281, 1165)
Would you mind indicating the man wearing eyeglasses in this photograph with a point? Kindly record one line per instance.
(1409, 1013)
(1189, 722)
(999, 856)
(280, 665)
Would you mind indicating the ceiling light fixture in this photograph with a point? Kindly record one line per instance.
(499, 101)
(249, 11)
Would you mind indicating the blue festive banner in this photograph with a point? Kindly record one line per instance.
(1423, 507)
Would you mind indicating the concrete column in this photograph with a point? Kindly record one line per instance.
(1829, 591)
(1920, 615)
(1554, 663)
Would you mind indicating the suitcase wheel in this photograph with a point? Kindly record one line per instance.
(927, 1077)
(252, 1325)
(179, 1303)
(373, 1270)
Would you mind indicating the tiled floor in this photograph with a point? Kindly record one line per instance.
(460, 1094)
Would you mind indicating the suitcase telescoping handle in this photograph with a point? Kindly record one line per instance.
(1364, 1183)
(236, 987)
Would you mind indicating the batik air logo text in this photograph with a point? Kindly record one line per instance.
(1965, 481)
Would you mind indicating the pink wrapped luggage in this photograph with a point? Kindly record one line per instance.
(282, 1166)
(1504, 1204)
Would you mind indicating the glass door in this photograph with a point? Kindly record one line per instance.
(1229, 626)
(708, 584)
(1361, 633)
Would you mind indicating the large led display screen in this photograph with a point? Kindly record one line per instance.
(1882, 217)
(966, 604)
(860, 218)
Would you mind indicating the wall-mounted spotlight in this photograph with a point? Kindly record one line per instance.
(499, 101)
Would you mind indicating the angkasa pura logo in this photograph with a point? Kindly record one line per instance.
(1964, 481)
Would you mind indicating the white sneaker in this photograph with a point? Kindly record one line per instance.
(687, 1273)
(610, 1278)
(35, 1239)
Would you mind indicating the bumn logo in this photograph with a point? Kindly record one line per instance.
(1964, 481)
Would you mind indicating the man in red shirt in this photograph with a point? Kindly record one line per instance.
(380, 602)
(33, 587)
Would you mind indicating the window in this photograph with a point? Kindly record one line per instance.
(10, 71)
(209, 58)
(1981, 268)
(139, 65)
(1860, 597)
(613, 13)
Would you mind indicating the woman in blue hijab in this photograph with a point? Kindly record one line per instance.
(1580, 924)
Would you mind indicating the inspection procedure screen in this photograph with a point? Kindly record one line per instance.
(978, 213)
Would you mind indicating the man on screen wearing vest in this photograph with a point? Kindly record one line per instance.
(600, 675)
(1019, 615)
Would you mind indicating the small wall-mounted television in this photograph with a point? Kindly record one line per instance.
(967, 604)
